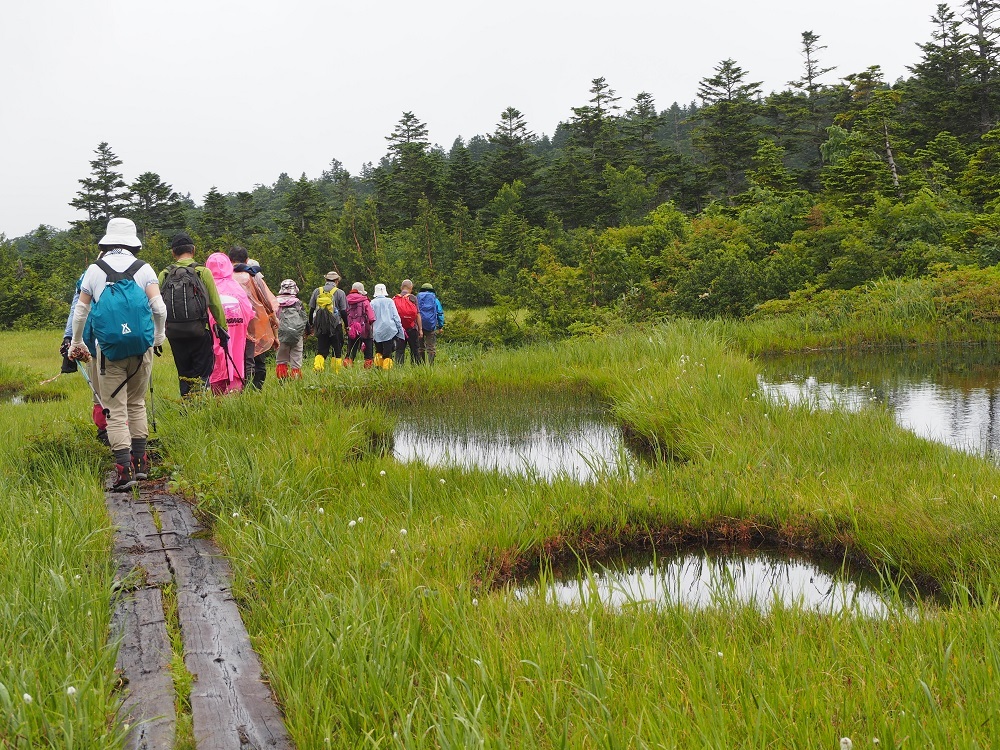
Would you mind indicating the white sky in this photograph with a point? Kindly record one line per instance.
(232, 93)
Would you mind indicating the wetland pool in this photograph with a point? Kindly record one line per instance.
(720, 577)
(950, 395)
(540, 436)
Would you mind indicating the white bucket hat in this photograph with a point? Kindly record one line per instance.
(121, 232)
(380, 291)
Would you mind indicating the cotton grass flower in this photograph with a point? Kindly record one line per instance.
(361, 519)
(382, 473)
(402, 532)
(475, 602)
(235, 514)
(320, 510)
(71, 691)
(392, 551)
(441, 480)
(27, 698)
(352, 524)
(846, 743)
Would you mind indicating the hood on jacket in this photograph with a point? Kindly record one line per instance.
(355, 296)
(220, 265)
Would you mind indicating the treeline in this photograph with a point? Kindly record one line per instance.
(626, 211)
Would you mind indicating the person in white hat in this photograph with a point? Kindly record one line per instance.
(127, 327)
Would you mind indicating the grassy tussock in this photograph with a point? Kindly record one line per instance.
(373, 637)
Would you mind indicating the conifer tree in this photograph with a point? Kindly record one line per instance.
(155, 207)
(216, 219)
(103, 194)
(728, 128)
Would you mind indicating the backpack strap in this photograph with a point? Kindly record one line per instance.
(114, 276)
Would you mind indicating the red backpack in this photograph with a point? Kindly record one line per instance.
(407, 310)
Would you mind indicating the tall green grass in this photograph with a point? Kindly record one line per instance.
(375, 637)
(57, 680)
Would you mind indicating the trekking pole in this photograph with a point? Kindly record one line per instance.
(97, 398)
(225, 348)
(157, 350)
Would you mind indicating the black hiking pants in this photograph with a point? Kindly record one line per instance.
(324, 341)
(413, 341)
(355, 346)
(195, 360)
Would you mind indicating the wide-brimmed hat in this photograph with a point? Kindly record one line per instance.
(121, 232)
(428, 287)
(288, 286)
(380, 290)
(358, 286)
(332, 276)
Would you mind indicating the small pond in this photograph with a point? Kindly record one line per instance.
(544, 436)
(949, 395)
(704, 578)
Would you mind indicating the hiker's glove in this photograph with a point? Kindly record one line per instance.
(64, 349)
(158, 350)
(222, 334)
(79, 352)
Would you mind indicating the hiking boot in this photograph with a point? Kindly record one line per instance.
(125, 478)
(296, 374)
(140, 466)
(347, 362)
(319, 364)
(281, 371)
(387, 363)
(335, 364)
(368, 364)
(378, 360)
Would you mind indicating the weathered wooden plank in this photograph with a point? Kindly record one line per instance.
(144, 659)
(231, 706)
(136, 539)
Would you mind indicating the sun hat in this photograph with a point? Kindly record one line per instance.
(428, 287)
(289, 287)
(332, 276)
(380, 290)
(121, 232)
(181, 239)
(357, 286)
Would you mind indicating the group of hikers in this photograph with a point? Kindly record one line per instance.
(221, 320)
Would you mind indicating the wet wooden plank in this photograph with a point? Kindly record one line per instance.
(230, 704)
(144, 659)
(137, 542)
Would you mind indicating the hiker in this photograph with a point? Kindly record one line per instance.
(431, 321)
(327, 312)
(406, 306)
(388, 328)
(189, 293)
(69, 366)
(127, 320)
(360, 318)
(292, 321)
(263, 329)
(228, 374)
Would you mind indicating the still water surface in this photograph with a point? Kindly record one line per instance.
(541, 436)
(948, 395)
(705, 578)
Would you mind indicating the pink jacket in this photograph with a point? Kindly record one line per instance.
(239, 313)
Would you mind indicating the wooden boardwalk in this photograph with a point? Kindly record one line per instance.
(231, 706)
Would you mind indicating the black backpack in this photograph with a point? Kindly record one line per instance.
(186, 299)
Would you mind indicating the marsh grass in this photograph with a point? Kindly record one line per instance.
(56, 575)
(373, 637)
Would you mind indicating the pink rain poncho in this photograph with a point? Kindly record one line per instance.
(228, 374)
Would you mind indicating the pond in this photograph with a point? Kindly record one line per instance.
(949, 395)
(543, 436)
(720, 577)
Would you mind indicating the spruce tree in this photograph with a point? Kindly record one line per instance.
(103, 194)
(728, 128)
(155, 207)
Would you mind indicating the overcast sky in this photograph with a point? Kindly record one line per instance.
(232, 93)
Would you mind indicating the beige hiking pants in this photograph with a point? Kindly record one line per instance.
(126, 409)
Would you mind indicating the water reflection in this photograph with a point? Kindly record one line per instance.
(948, 395)
(702, 579)
(545, 437)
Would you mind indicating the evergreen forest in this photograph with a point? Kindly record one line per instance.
(627, 211)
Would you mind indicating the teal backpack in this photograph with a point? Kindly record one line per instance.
(120, 319)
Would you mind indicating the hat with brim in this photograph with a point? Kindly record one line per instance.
(427, 287)
(121, 232)
(332, 276)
